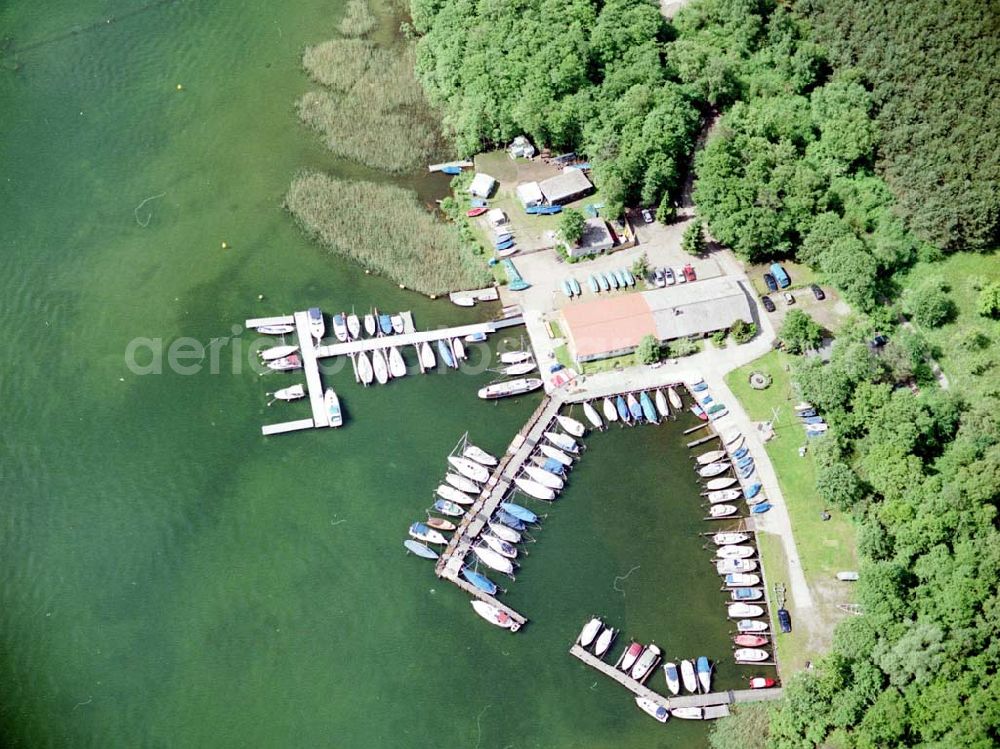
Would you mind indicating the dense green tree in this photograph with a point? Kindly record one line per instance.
(742, 332)
(988, 302)
(571, 225)
(839, 485)
(800, 333)
(649, 351)
(693, 241)
(930, 305)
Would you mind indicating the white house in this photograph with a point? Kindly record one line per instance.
(482, 185)
(529, 193)
(521, 147)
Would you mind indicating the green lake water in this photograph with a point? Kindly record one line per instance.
(173, 579)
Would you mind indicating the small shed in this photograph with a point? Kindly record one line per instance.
(596, 239)
(529, 193)
(482, 185)
(566, 187)
(496, 217)
(521, 148)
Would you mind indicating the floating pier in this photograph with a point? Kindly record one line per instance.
(287, 426)
(438, 167)
(259, 322)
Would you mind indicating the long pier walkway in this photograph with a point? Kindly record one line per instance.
(710, 700)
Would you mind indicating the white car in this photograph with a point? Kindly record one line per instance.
(669, 276)
(647, 216)
(679, 275)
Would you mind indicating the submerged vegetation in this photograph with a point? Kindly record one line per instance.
(384, 228)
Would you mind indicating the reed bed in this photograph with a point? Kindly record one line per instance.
(358, 20)
(372, 109)
(385, 229)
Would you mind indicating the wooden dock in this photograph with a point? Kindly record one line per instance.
(308, 351)
(405, 339)
(438, 167)
(710, 700)
(286, 426)
(258, 322)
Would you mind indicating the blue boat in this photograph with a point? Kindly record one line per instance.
(480, 581)
(741, 452)
(745, 594)
(478, 203)
(554, 466)
(648, 409)
(514, 280)
(629, 278)
(510, 521)
(744, 461)
(604, 282)
(549, 210)
(533, 210)
(761, 508)
(620, 278)
(752, 491)
(699, 387)
(807, 413)
(612, 279)
(594, 286)
(385, 324)
(814, 432)
(419, 549)
(446, 354)
(706, 400)
(575, 285)
(704, 673)
(623, 413)
(477, 337)
(567, 289)
(813, 420)
(634, 408)
(505, 244)
(747, 472)
(521, 513)
(451, 170)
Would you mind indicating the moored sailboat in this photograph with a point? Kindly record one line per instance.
(592, 416)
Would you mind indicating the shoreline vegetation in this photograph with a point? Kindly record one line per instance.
(383, 227)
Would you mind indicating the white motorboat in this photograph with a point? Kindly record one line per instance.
(729, 539)
(722, 511)
(735, 552)
(446, 491)
(727, 566)
(630, 656)
(380, 367)
(462, 484)
(704, 668)
(285, 363)
(721, 483)
(713, 469)
(688, 677)
(750, 655)
(725, 495)
(675, 399)
(470, 469)
(556, 454)
(397, 367)
(495, 615)
(523, 368)
(397, 323)
(646, 663)
(370, 326)
(292, 393)
(480, 456)
(688, 713)
(353, 326)
(589, 632)
(340, 327)
(604, 641)
(661, 404)
(534, 489)
(515, 357)
(279, 329)
(332, 404)
(499, 545)
(673, 678)
(428, 535)
(316, 325)
(610, 412)
(563, 442)
(365, 372)
(653, 709)
(504, 533)
(592, 416)
(427, 357)
(744, 611)
(493, 560)
(508, 388)
(278, 352)
(543, 477)
(748, 626)
(458, 348)
(710, 457)
(741, 580)
(571, 425)
(746, 594)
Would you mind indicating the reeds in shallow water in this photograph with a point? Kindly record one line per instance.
(358, 20)
(384, 228)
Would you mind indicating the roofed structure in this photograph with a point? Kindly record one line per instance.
(566, 187)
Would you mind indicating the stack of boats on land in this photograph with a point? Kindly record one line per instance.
(644, 406)
(517, 365)
(705, 407)
(723, 489)
(598, 282)
(811, 420)
(640, 663)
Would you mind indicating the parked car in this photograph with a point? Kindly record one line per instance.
(689, 273)
(769, 281)
(669, 276)
(789, 299)
(780, 275)
(817, 292)
(784, 620)
(679, 274)
(659, 281)
(647, 216)
(768, 304)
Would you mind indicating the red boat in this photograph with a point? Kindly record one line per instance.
(750, 641)
(760, 682)
(473, 212)
(699, 412)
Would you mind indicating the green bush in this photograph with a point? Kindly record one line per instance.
(693, 242)
(683, 347)
(742, 332)
(988, 303)
(649, 351)
(571, 226)
(930, 305)
(800, 333)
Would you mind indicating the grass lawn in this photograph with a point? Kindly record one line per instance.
(825, 547)
(792, 648)
(563, 357)
(960, 360)
(606, 365)
(800, 275)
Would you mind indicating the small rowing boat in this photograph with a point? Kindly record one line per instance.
(730, 437)
(761, 682)
(760, 509)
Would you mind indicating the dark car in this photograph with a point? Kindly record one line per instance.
(817, 292)
(771, 283)
(784, 620)
(768, 304)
